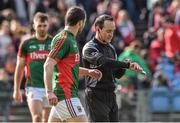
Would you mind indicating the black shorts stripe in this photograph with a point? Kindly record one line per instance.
(68, 107)
(72, 107)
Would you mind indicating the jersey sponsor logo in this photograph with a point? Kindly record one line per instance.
(38, 56)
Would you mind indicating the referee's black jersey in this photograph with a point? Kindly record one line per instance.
(103, 57)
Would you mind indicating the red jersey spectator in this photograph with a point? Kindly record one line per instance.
(172, 40)
(125, 27)
(157, 47)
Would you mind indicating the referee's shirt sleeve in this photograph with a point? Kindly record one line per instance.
(93, 56)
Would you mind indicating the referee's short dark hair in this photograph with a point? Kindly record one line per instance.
(100, 20)
(74, 15)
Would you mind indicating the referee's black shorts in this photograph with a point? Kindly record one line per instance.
(101, 105)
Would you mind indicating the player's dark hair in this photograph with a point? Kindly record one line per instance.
(74, 15)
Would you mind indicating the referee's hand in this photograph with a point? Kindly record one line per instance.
(136, 67)
(52, 98)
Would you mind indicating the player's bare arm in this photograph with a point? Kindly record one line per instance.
(95, 73)
(48, 73)
(17, 95)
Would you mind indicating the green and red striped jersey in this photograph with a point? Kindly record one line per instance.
(65, 76)
(35, 52)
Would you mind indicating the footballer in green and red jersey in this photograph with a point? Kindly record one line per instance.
(65, 76)
(35, 52)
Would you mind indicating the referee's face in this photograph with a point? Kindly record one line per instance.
(41, 28)
(106, 33)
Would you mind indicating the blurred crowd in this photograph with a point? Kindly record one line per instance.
(157, 51)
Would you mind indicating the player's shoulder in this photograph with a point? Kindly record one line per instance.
(50, 37)
(26, 39)
(61, 36)
(59, 39)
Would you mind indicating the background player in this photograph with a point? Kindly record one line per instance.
(32, 55)
(62, 69)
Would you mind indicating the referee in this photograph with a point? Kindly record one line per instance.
(98, 53)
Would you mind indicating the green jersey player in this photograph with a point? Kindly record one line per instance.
(61, 71)
(31, 57)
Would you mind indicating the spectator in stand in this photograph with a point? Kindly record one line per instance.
(173, 8)
(8, 14)
(55, 22)
(148, 37)
(4, 84)
(130, 79)
(177, 17)
(157, 47)
(101, 8)
(125, 27)
(114, 7)
(17, 31)
(21, 9)
(61, 10)
(155, 15)
(43, 6)
(132, 9)
(5, 38)
(150, 3)
(10, 63)
(32, 7)
(160, 80)
(171, 37)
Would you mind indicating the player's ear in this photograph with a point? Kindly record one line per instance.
(80, 23)
(33, 25)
